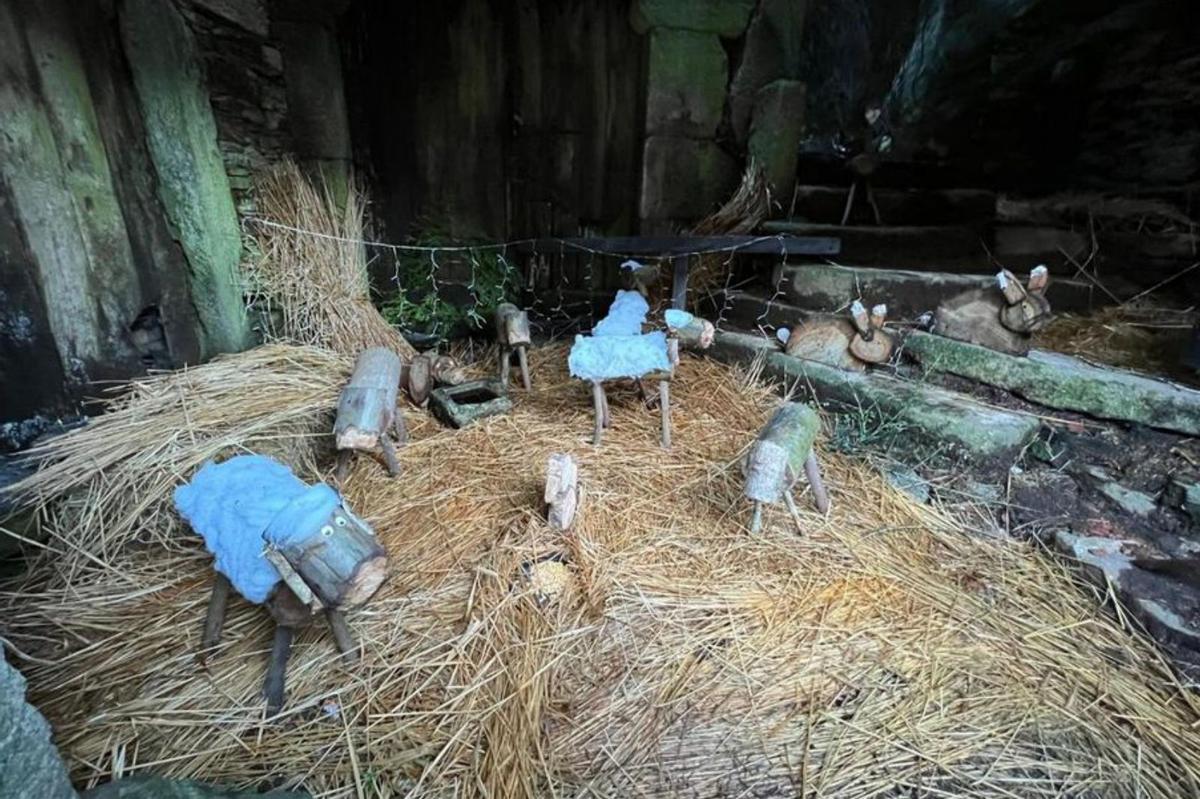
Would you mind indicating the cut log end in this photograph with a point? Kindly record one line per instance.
(366, 581)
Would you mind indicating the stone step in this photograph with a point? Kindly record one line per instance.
(927, 420)
(892, 245)
(825, 204)
(828, 287)
(1064, 382)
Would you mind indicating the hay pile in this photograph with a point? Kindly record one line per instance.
(742, 213)
(1143, 337)
(318, 284)
(884, 653)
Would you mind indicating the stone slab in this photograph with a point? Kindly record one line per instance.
(908, 294)
(723, 17)
(1064, 382)
(870, 245)
(685, 86)
(776, 128)
(930, 419)
(684, 178)
(824, 204)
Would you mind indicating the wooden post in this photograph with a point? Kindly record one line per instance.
(679, 281)
(562, 491)
(214, 619)
(664, 399)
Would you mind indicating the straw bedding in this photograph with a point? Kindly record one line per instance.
(885, 652)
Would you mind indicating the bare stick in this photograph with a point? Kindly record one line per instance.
(214, 620)
(505, 366)
(399, 430)
(342, 635)
(523, 360)
(871, 200)
(756, 518)
(604, 405)
(275, 685)
(389, 456)
(849, 201)
(598, 404)
(792, 509)
(813, 471)
(664, 399)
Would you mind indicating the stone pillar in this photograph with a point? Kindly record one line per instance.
(685, 173)
(192, 184)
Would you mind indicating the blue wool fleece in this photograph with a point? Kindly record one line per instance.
(240, 505)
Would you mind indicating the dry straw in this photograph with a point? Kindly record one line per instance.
(886, 652)
(318, 285)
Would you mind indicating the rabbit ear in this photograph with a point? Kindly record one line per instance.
(1039, 278)
(862, 321)
(1014, 292)
(783, 333)
(878, 315)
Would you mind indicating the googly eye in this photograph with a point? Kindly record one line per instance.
(340, 521)
(327, 530)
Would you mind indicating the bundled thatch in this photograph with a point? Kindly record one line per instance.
(105, 486)
(317, 284)
(883, 653)
(1143, 337)
(742, 213)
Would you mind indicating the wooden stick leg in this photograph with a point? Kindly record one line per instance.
(598, 406)
(214, 620)
(274, 689)
(813, 471)
(342, 635)
(756, 518)
(523, 360)
(871, 200)
(399, 430)
(792, 509)
(641, 388)
(502, 370)
(604, 406)
(342, 470)
(389, 455)
(664, 399)
(849, 200)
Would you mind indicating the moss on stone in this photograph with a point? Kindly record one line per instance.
(192, 184)
(723, 17)
(1060, 381)
(685, 92)
(775, 130)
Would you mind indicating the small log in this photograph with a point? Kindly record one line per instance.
(214, 619)
(367, 405)
(782, 450)
(419, 382)
(698, 333)
(512, 325)
(562, 491)
(342, 561)
(446, 371)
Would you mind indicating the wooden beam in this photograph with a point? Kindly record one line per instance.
(660, 246)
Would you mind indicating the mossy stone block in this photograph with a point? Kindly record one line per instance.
(726, 18)
(685, 93)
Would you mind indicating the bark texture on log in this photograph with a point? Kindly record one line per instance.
(342, 562)
(367, 407)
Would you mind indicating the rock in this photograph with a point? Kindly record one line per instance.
(1061, 381)
(684, 178)
(160, 788)
(905, 479)
(182, 136)
(30, 766)
(772, 51)
(685, 91)
(1128, 499)
(775, 131)
(926, 419)
(723, 17)
(1184, 495)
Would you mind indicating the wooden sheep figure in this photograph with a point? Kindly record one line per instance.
(367, 411)
(512, 333)
(773, 465)
(1001, 320)
(280, 542)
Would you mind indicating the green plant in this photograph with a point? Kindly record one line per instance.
(481, 278)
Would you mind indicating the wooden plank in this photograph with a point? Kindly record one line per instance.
(658, 246)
